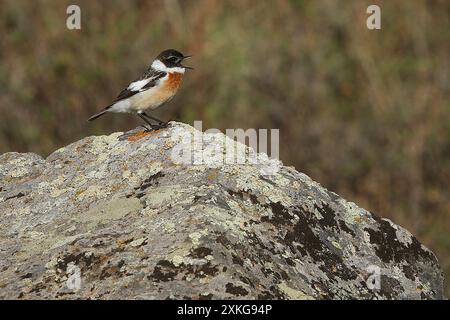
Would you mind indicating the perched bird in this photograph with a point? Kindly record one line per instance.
(157, 85)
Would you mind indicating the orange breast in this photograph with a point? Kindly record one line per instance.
(155, 97)
(174, 81)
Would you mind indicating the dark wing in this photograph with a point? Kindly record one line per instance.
(147, 81)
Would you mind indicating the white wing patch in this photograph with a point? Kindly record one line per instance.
(137, 85)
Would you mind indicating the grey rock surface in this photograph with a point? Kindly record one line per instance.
(119, 216)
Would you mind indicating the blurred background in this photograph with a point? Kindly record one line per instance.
(365, 113)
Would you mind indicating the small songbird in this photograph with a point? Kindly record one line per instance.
(157, 85)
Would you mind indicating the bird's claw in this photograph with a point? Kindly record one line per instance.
(154, 127)
(162, 125)
(165, 124)
(147, 129)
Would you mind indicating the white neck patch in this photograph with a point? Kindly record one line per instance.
(159, 66)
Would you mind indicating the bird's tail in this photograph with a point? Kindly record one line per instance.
(97, 115)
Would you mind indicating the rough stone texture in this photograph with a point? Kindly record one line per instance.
(137, 225)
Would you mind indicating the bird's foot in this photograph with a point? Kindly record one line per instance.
(147, 129)
(161, 125)
(154, 127)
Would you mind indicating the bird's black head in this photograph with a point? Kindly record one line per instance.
(172, 58)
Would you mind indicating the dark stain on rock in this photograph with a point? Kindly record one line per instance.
(343, 226)
(322, 290)
(79, 259)
(200, 252)
(302, 233)
(290, 262)
(409, 272)
(388, 248)
(284, 275)
(222, 239)
(334, 266)
(235, 290)
(238, 260)
(328, 215)
(244, 196)
(109, 270)
(164, 271)
(390, 287)
(310, 243)
(247, 281)
(281, 215)
(268, 180)
(16, 196)
(263, 250)
(219, 202)
(266, 295)
(273, 293)
(26, 276)
(199, 271)
(383, 243)
(151, 181)
(276, 292)
(38, 287)
(278, 276)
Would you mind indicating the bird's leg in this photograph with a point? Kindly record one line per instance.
(152, 127)
(161, 123)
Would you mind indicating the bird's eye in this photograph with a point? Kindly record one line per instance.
(173, 59)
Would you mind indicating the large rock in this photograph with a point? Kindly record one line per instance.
(119, 217)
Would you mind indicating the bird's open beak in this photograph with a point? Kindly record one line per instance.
(187, 57)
